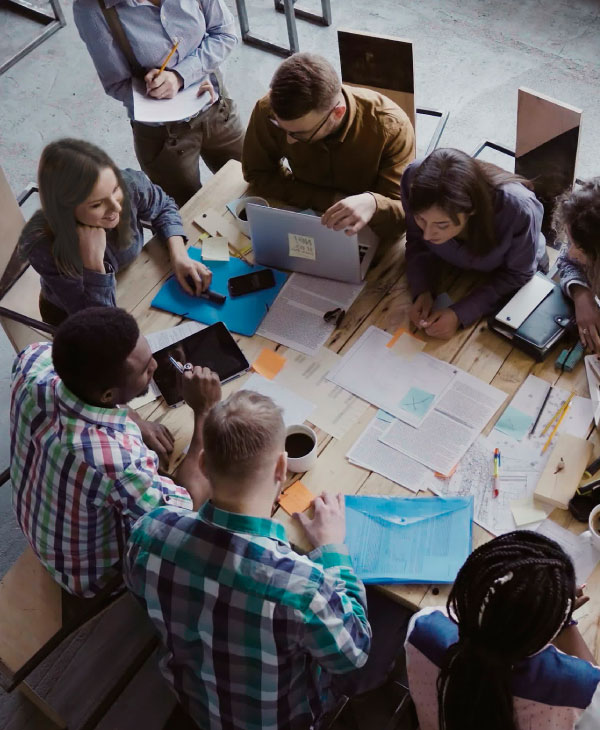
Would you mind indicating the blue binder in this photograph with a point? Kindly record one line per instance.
(241, 314)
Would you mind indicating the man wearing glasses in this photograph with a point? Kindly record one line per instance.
(345, 147)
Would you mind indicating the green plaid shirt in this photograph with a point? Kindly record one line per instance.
(247, 623)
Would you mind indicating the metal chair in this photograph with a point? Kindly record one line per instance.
(52, 21)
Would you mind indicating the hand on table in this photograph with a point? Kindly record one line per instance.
(587, 314)
(188, 272)
(421, 309)
(201, 389)
(442, 324)
(350, 214)
(92, 245)
(163, 85)
(328, 524)
(158, 438)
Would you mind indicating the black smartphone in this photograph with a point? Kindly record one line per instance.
(248, 283)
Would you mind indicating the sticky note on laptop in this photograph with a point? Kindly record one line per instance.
(303, 247)
(268, 363)
(215, 248)
(296, 498)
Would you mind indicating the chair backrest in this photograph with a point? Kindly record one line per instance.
(11, 225)
(546, 149)
(381, 63)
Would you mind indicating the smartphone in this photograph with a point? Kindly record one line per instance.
(248, 283)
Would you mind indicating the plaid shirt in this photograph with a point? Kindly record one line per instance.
(80, 475)
(247, 623)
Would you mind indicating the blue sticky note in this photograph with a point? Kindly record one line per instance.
(385, 416)
(240, 314)
(417, 401)
(514, 423)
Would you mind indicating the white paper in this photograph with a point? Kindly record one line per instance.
(184, 104)
(584, 555)
(295, 408)
(215, 248)
(336, 410)
(370, 453)
(295, 318)
(451, 427)
(408, 388)
(163, 338)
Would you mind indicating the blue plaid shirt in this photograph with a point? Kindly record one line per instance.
(247, 623)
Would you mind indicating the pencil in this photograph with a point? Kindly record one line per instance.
(558, 413)
(237, 252)
(168, 58)
(539, 415)
(555, 429)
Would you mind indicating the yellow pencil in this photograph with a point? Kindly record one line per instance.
(558, 413)
(168, 58)
(555, 429)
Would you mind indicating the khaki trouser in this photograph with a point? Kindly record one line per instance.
(169, 153)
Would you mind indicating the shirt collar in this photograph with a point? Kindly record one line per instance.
(260, 526)
(341, 133)
(116, 418)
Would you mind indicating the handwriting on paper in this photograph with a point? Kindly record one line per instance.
(302, 247)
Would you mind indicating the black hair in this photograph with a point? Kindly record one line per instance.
(90, 349)
(511, 597)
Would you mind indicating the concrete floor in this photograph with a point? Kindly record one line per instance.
(470, 58)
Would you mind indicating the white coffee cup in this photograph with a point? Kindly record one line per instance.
(593, 532)
(307, 457)
(240, 208)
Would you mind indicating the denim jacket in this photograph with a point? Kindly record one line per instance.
(148, 202)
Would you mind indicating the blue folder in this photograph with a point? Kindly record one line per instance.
(241, 314)
(408, 539)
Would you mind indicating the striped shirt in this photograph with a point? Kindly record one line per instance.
(81, 475)
(247, 624)
(551, 690)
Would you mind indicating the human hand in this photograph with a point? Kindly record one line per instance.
(193, 276)
(92, 245)
(421, 309)
(207, 86)
(328, 524)
(442, 324)
(580, 599)
(201, 389)
(350, 214)
(163, 85)
(157, 437)
(587, 314)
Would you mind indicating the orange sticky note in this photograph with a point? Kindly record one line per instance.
(439, 475)
(268, 363)
(296, 498)
(398, 333)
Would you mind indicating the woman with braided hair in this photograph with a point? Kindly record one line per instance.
(506, 654)
(577, 217)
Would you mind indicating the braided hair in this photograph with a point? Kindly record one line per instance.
(510, 599)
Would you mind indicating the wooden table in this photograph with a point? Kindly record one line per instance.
(384, 302)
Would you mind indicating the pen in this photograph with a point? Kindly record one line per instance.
(168, 58)
(539, 415)
(496, 484)
(175, 364)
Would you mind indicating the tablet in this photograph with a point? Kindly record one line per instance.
(212, 347)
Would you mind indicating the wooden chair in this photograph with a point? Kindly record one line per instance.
(546, 149)
(385, 64)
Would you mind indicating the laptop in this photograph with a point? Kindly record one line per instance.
(285, 239)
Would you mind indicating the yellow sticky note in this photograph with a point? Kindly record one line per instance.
(215, 248)
(268, 363)
(296, 498)
(528, 510)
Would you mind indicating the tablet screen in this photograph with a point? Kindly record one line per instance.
(213, 348)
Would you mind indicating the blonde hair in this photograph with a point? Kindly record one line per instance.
(239, 432)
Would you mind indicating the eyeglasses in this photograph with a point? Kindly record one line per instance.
(300, 136)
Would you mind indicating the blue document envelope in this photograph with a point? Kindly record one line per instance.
(408, 539)
(241, 314)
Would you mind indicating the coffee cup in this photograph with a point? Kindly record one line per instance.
(593, 532)
(301, 447)
(241, 217)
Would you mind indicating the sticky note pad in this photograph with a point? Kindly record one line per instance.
(514, 423)
(528, 510)
(296, 498)
(215, 248)
(268, 363)
(405, 344)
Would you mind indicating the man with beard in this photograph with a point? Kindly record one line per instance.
(81, 471)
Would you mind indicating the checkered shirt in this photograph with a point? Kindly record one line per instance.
(246, 623)
(80, 475)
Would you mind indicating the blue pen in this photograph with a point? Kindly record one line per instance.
(175, 364)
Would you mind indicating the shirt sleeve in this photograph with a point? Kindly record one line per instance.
(398, 152)
(517, 268)
(262, 165)
(570, 271)
(590, 718)
(216, 45)
(422, 265)
(111, 65)
(336, 631)
(154, 205)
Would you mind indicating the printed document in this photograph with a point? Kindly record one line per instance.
(408, 540)
(186, 103)
(295, 318)
(295, 408)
